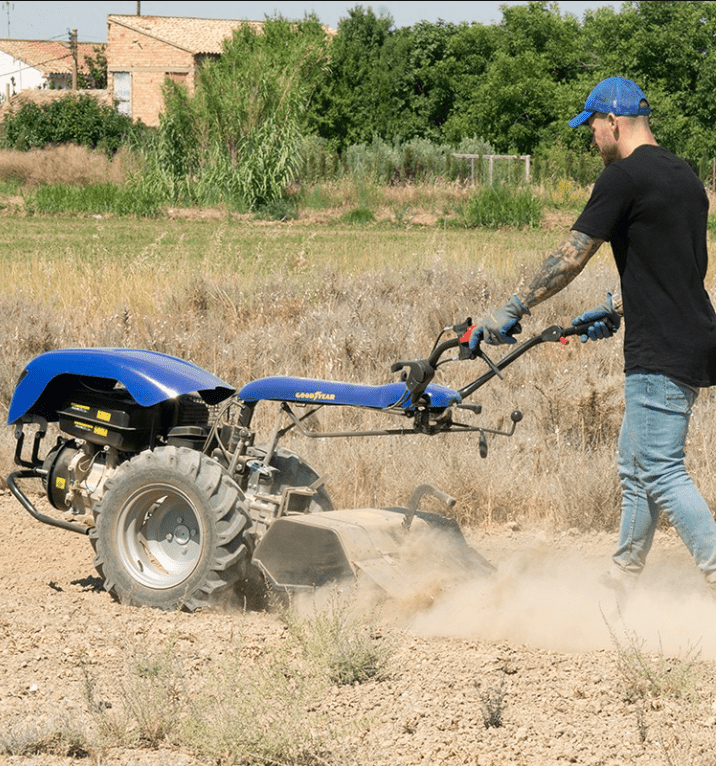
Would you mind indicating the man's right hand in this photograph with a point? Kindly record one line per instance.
(500, 326)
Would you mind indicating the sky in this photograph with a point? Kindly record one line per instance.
(54, 20)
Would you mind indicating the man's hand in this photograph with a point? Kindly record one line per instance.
(603, 321)
(501, 326)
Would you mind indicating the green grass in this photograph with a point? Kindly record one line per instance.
(359, 215)
(252, 247)
(95, 199)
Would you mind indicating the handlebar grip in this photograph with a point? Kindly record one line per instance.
(580, 329)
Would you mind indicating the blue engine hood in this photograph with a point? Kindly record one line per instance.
(150, 377)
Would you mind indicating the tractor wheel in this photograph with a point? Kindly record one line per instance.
(169, 531)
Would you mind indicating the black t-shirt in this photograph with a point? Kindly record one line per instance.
(653, 210)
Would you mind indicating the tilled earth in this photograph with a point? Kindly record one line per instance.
(537, 665)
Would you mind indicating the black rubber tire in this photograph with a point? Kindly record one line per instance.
(169, 531)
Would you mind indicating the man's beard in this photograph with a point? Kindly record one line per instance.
(610, 154)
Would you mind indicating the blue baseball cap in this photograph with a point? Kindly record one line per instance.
(615, 95)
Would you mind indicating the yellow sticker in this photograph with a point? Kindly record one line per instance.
(60, 482)
(100, 431)
(101, 415)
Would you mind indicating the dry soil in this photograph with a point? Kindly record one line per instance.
(538, 646)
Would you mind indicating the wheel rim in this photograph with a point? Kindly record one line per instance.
(159, 536)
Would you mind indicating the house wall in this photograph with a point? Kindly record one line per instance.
(148, 63)
(24, 77)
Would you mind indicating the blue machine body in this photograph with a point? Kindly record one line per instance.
(149, 377)
(311, 391)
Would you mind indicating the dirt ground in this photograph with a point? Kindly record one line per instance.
(535, 650)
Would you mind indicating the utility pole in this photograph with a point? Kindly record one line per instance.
(8, 7)
(139, 8)
(73, 48)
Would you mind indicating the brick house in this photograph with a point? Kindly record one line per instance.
(39, 64)
(144, 50)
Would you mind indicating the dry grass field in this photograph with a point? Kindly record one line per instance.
(247, 299)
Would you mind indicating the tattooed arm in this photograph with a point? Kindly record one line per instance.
(559, 268)
(557, 271)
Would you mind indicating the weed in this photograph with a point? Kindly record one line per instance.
(495, 206)
(492, 705)
(255, 710)
(335, 639)
(148, 700)
(246, 708)
(66, 164)
(566, 193)
(654, 676)
(110, 726)
(152, 694)
(280, 209)
(28, 739)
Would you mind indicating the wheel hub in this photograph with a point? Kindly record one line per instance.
(160, 536)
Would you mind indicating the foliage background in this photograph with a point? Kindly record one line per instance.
(515, 84)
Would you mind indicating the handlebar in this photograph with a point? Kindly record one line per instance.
(418, 374)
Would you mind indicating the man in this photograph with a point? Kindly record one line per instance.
(652, 209)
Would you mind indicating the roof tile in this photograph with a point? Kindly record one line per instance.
(194, 35)
(49, 56)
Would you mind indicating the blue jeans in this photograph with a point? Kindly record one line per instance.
(653, 476)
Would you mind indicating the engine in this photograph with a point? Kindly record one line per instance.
(76, 473)
(105, 428)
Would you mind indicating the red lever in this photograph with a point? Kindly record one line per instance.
(466, 337)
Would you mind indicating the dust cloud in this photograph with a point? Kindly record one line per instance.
(552, 599)
(542, 594)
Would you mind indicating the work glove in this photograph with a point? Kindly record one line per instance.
(603, 321)
(501, 326)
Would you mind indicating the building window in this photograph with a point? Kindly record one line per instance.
(123, 92)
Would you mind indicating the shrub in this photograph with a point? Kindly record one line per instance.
(360, 215)
(414, 161)
(496, 206)
(69, 120)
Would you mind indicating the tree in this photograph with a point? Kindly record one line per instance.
(354, 100)
(668, 48)
(532, 57)
(96, 74)
(429, 89)
(240, 131)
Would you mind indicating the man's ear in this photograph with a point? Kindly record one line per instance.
(613, 124)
